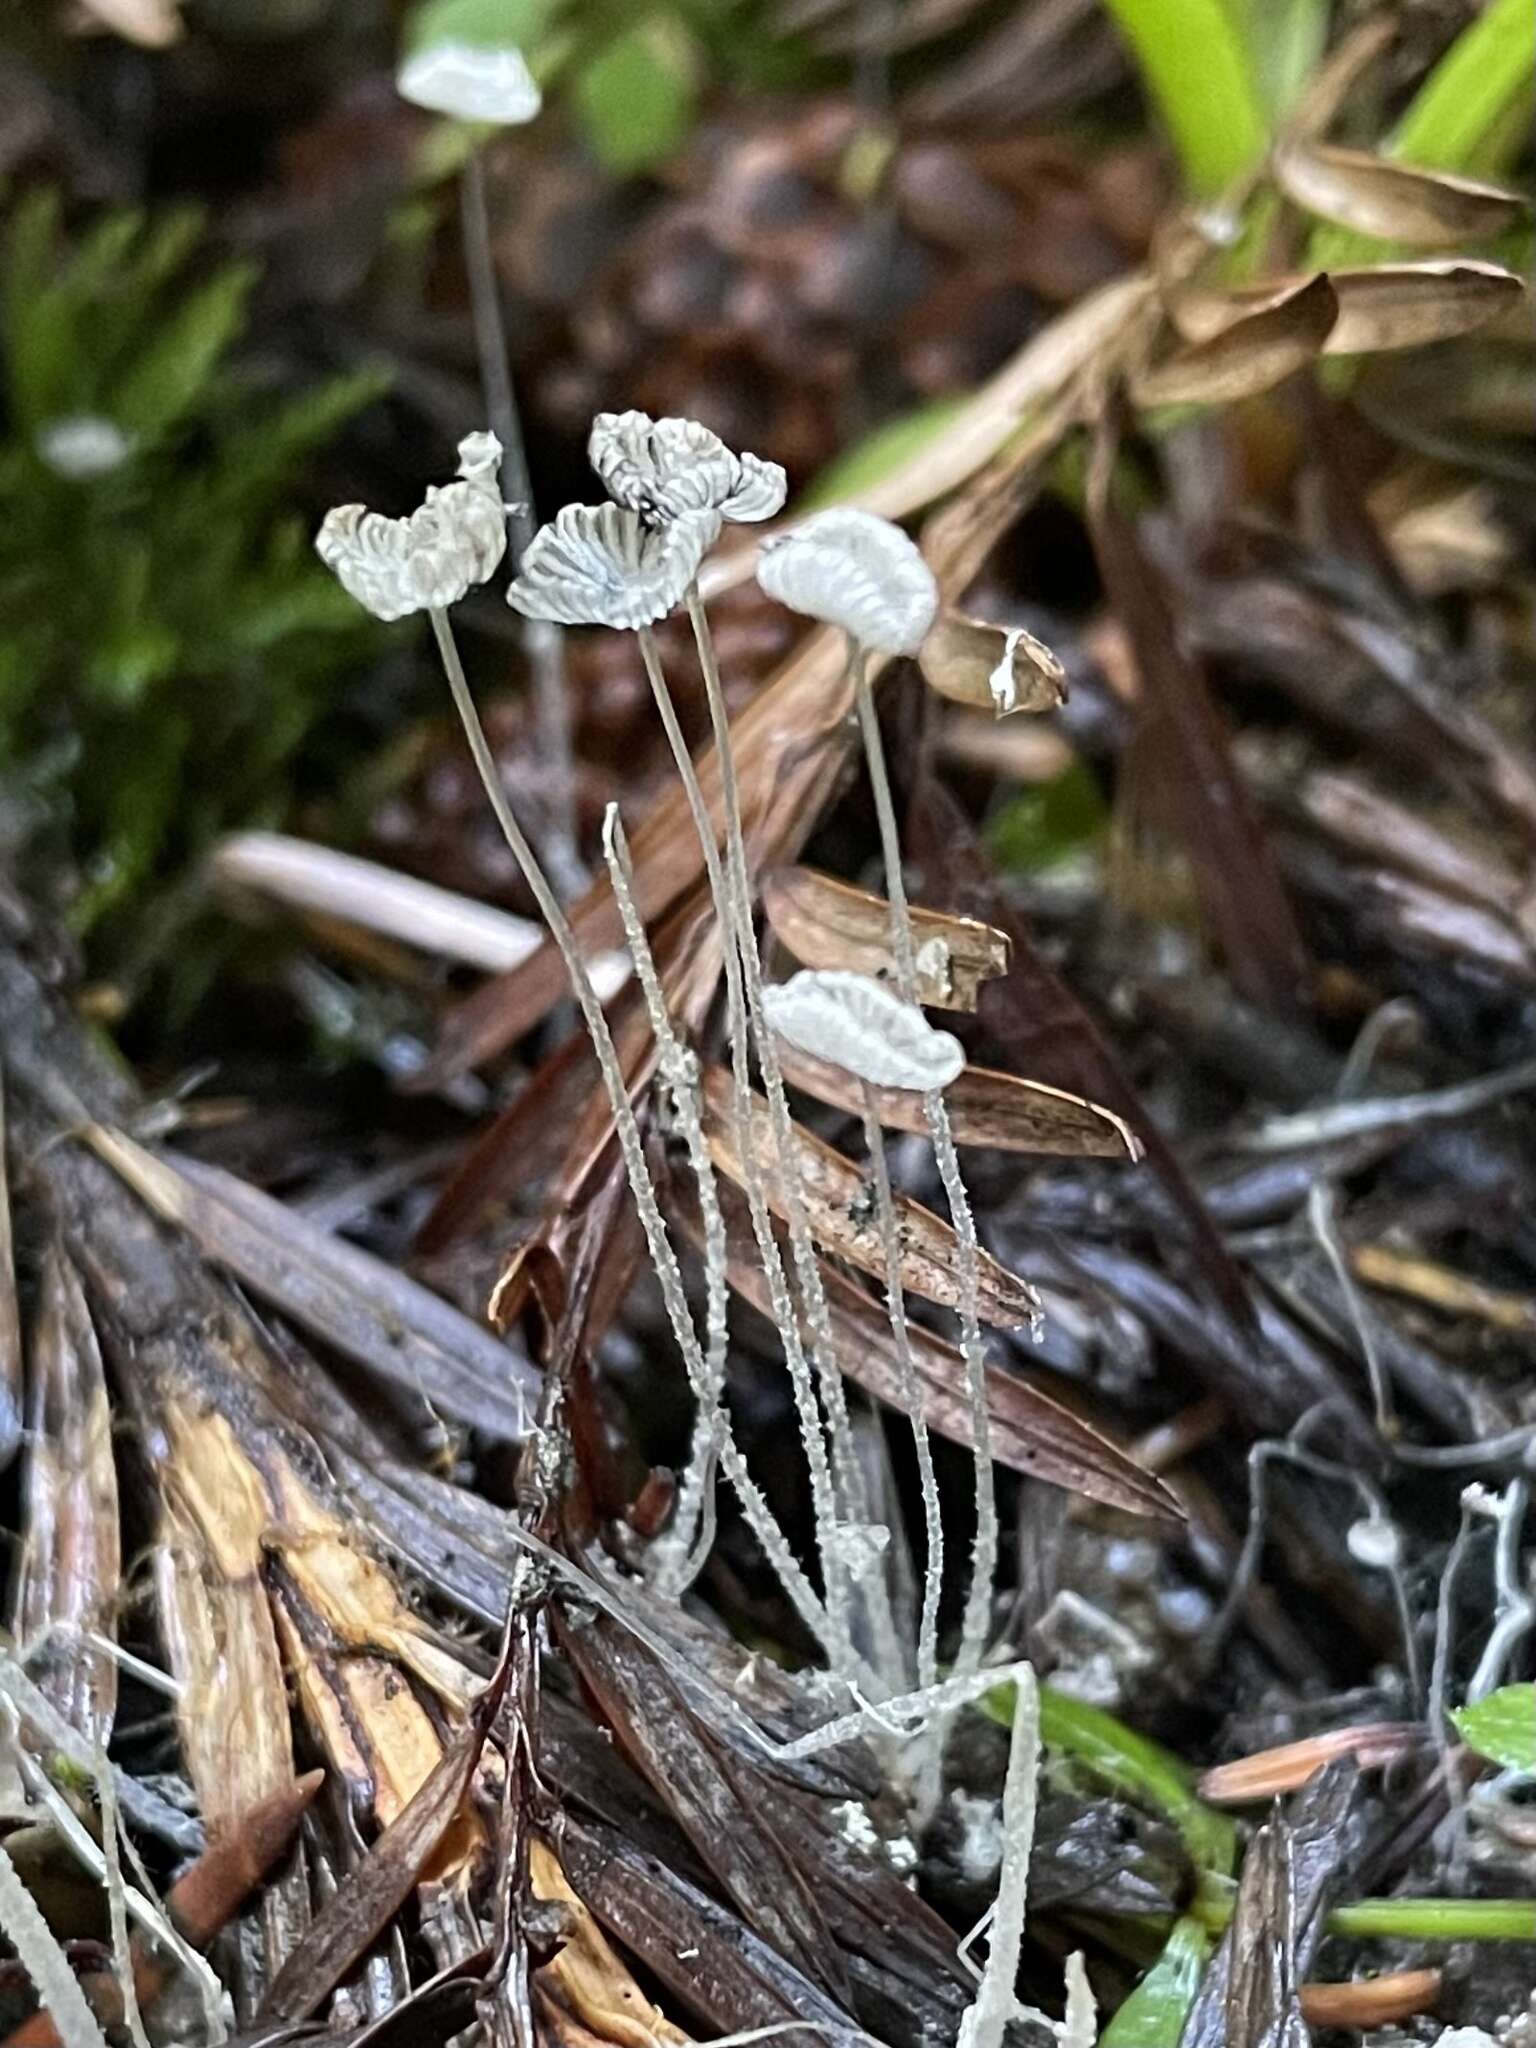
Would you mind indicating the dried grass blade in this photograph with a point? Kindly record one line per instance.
(352, 1919)
(834, 1193)
(1252, 353)
(587, 1978)
(71, 1566)
(986, 1108)
(706, 1792)
(1031, 1433)
(1268, 1772)
(1392, 201)
(370, 1311)
(827, 923)
(1372, 2001)
(1381, 307)
(1207, 806)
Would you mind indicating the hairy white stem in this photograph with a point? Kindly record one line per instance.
(911, 1394)
(117, 1901)
(45, 1962)
(1514, 1612)
(1080, 2028)
(742, 975)
(680, 1071)
(978, 1600)
(986, 2022)
(542, 640)
(626, 1125)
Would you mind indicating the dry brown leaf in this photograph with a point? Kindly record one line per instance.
(827, 923)
(985, 1108)
(836, 1197)
(587, 1976)
(1371, 2001)
(71, 1565)
(1382, 307)
(1269, 1772)
(1394, 202)
(1030, 1432)
(1251, 354)
(1378, 1265)
(1001, 669)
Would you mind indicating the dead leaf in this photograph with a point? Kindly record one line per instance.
(353, 1917)
(986, 1108)
(1252, 353)
(71, 1564)
(1030, 1432)
(1391, 201)
(827, 923)
(1371, 2002)
(587, 1975)
(11, 1364)
(834, 1194)
(1269, 1772)
(1001, 669)
(1381, 307)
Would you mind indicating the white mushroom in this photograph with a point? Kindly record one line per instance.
(471, 82)
(427, 562)
(856, 571)
(663, 468)
(83, 446)
(858, 1023)
(601, 565)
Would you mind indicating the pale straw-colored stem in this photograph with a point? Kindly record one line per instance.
(626, 1125)
(803, 1386)
(978, 1602)
(911, 1394)
(679, 1068)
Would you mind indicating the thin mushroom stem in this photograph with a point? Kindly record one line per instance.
(631, 1144)
(679, 1068)
(978, 1601)
(542, 641)
(850, 1474)
(911, 1394)
(781, 1301)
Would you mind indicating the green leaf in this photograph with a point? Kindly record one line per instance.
(635, 99)
(171, 375)
(1154, 2014)
(487, 24)
(1436, 1919)
(1132, 1763)
(880, 453)
(1485, 72)
(1502, 1726)
(1041, 827)
(1194, 65)
(1284, 39)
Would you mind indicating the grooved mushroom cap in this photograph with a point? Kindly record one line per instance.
(860, 1024)
(854, 570)
(471, 83)
(453, 540)
(601, 565)
(664, 468)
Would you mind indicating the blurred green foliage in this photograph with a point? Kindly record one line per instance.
(167, 636)
(631, 72)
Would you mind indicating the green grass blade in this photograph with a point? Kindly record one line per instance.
(1133, 1764)
(1483, 74)
(1437, 1919)
(1194, 65)
(1154, 2014)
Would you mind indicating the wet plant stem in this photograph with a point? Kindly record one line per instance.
(978, 1601)
(801, 1381)
(626, 1125)
(543, 643)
